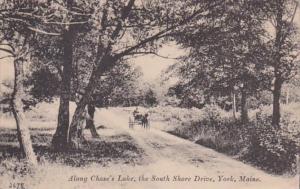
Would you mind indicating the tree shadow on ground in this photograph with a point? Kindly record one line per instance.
(102, 150)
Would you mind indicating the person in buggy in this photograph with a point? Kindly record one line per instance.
(136, 112)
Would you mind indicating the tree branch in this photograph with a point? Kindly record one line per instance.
(8, 51)
(285, 34)
(66, 23)
(43, 32)
(115, 33)
(8, 56)
(153, 53)
(159, 34)
(10, 45)
(124, 15)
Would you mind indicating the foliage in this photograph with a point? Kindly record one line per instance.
(225, 57)
(43, 85)
(150, 98)
(271, 149)
(118, 87)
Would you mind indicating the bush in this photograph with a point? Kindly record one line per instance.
(224, 135)
(274, 150)
(271, 150)
(256, 142)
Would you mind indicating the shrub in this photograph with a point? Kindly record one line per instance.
(271, 150)
(256, 142)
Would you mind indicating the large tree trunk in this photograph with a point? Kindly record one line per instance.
(75, 134)
(21, 121)
(244, 107)
(90, 124)
(279, 41)
(276, 103)
(60, 137)
(75, 139)
(76, 128)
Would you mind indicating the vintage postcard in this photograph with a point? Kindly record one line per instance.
(164, 94)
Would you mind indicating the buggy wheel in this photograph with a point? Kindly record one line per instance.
(130, 123)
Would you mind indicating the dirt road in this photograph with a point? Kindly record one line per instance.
(179, 163)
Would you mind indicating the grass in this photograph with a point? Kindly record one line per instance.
(102, 151)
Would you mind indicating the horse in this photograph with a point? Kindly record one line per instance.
(145, 121)
(138, 118)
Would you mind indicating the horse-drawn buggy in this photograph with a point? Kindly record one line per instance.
(138, 118)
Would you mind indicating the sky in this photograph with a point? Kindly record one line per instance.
(152, 65)
(6, 67)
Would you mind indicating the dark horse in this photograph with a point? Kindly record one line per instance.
(145, 121)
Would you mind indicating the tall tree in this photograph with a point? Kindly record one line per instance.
(17, 47)
(225, 57)
(283, 49)
(72, 24)
(17, 109)
(61, 19)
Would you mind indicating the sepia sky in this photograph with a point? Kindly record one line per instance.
(6, 67)
(152, 65)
